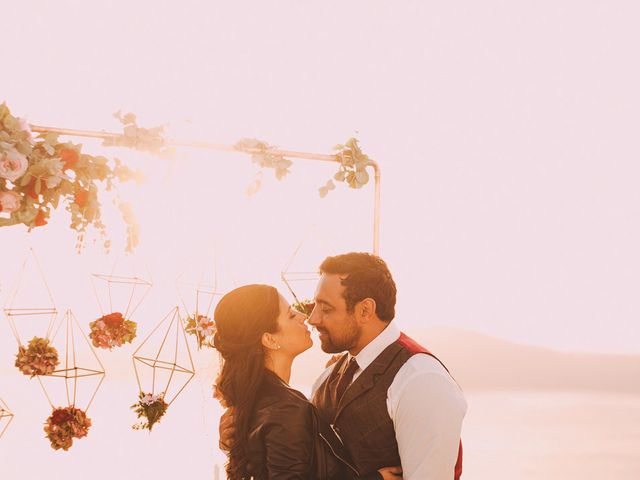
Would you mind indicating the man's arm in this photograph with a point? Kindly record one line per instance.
(427, 408)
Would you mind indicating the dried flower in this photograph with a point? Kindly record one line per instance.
(64, 425)
(38, 358)
(112, 330)
(151, 407)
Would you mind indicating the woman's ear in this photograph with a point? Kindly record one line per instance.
(269, 342)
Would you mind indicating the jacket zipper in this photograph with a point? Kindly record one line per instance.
(338, 456)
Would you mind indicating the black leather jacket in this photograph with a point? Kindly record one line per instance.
(288, 441)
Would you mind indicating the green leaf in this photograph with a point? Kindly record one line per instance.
(362, 177)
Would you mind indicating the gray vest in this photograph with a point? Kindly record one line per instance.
(361, 419)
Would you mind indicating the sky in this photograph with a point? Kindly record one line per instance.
(506, 134)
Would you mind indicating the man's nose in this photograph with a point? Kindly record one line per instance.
(313, 318)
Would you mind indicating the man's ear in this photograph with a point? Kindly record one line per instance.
(366, 309)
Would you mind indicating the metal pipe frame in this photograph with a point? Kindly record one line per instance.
(228, 148)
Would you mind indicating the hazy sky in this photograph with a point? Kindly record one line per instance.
(506, 131)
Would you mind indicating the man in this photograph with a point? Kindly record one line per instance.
(388, 399)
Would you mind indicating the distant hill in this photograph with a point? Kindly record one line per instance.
(482, 362)
(477, 362)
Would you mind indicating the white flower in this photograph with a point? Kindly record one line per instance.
(12, 165)
(149, 399)
(24, 125)
(204, 326)
(9, 201)
(206, 331)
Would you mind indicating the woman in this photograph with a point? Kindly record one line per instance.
(271, 431)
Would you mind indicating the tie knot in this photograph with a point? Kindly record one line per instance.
(352, 366)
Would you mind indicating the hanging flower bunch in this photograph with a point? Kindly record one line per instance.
(352, 170)
(305, 307)
(151, 407)
(111, 331)
(39, 357)
(203, 328)
(265, 156)
(38, 172)
(152, 140)
(353, 167)
(64, 425)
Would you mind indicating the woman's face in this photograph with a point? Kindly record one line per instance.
(293, 335)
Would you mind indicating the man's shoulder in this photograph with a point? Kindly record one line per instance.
(425, 373)
(426, 363)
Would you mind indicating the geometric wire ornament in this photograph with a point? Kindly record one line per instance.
(198, 296)
(83, 374)
(300, 274)
(122, 294)
(81, 369)
(6, 417)
(30, 308)
(163, 366)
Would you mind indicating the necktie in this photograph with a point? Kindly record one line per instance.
(345, 378)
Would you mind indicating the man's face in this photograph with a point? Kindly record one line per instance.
(339, 329)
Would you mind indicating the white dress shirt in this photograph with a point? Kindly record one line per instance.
(426, 407)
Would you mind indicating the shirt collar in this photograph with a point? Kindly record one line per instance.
(375, 347)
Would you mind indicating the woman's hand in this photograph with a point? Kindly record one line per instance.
(391, 473)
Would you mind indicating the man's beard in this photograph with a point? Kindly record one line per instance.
(345, 340)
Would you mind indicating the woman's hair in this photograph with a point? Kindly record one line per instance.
(242, 316)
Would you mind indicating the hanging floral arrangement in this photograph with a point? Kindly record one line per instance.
(112, 330)
(203, 328)
(37, 173)
(64, 425)
(352, 170)
(39, 357)
(150, 407)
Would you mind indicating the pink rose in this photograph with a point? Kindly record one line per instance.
(9, 201)
(12, 165)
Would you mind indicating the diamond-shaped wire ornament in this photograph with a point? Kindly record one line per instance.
(82, 373)
(6, 417)
(163, 363)
(30, 308)
(300, 273)
(119, 294)
(80, 368)
(200, 286)
(112, 281)
(198, 296)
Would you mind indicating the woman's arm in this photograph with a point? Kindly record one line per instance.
(288, 441)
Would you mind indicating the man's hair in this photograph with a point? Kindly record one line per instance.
(364, 275)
